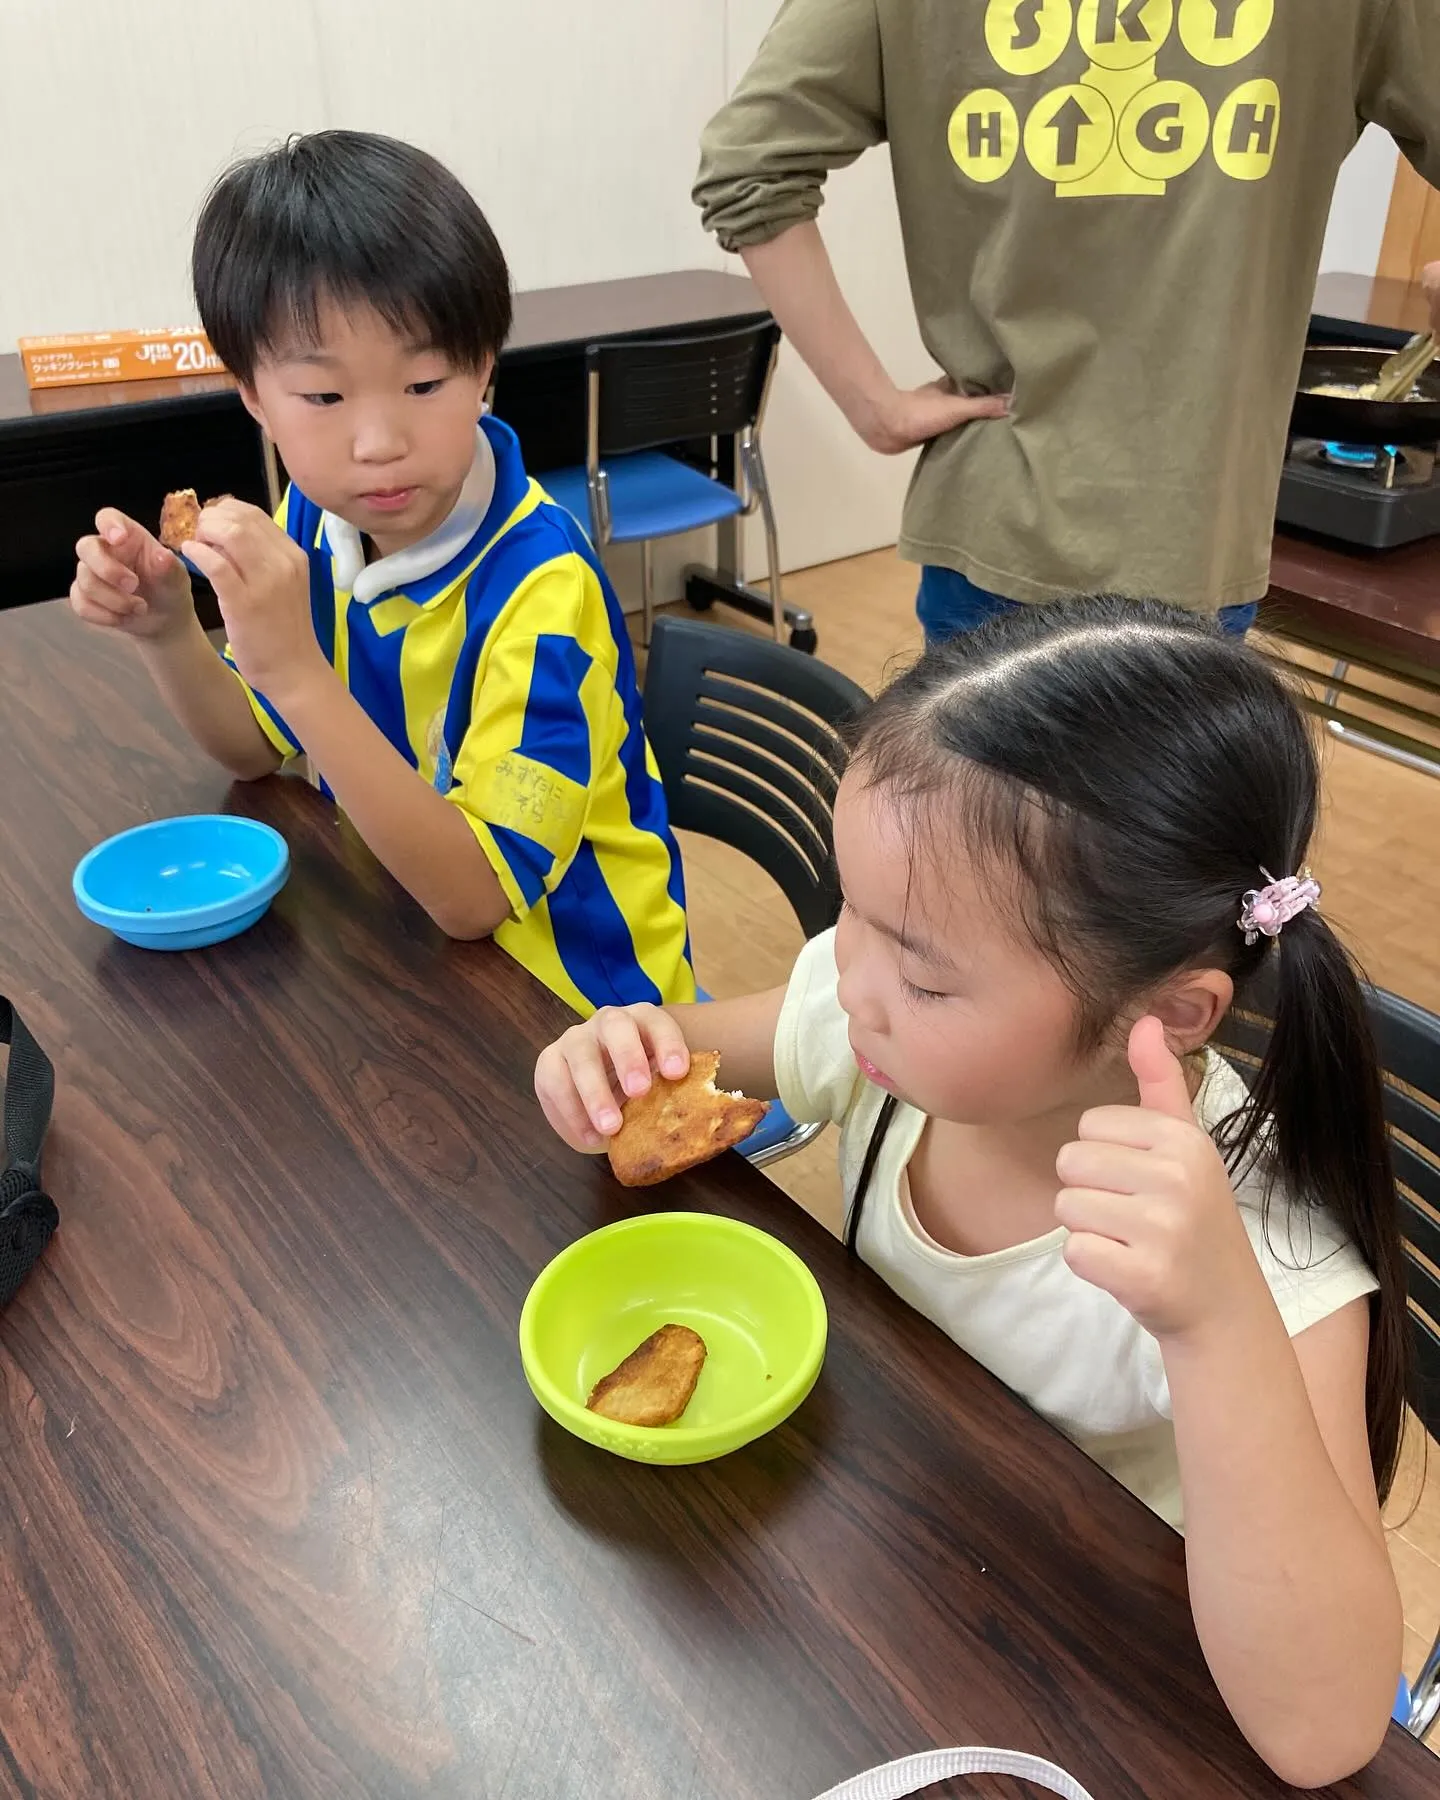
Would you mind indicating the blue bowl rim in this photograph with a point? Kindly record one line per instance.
(194, 918)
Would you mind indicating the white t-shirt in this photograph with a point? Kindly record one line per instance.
(1066, 1347)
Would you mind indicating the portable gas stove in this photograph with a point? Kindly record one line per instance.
(1374, 497)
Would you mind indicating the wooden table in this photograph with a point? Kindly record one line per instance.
(64, 452)
(280, 1517)
(1375, 611)
(1368, 309)
(1382, 605)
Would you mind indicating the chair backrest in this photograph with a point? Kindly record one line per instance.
(747, 733)
(650, 391)
(1408, 1039)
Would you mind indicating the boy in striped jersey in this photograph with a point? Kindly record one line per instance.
(420, 623)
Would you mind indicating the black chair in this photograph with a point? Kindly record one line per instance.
(646, 400)
(1408, 1039)
(748, 738)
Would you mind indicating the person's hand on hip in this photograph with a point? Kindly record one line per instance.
(909, 416)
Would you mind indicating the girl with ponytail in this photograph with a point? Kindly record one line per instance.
(1069, 843)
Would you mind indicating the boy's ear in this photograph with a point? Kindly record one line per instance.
(1191, 1006)
(251, 402)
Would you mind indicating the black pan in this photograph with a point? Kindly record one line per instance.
(1336, 418)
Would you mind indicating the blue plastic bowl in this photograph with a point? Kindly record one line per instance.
(179, 884)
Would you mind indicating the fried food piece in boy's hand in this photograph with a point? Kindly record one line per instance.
(179, 518)
(655, 1383)
(677, 1124)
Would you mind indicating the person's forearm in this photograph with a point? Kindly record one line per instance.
(421, 838)
(794, 274)
(743, 1031)
(1293, 1597)
(209, 702)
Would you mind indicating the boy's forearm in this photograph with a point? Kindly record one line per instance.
(209, 702)
(1291, 1589)
(421, 838)
(795, 275)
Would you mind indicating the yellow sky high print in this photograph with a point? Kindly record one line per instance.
(1134, 120)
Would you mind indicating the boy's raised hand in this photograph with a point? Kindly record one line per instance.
(126, 580)
(584, 1077)
(261, 579)
(1148, 1203)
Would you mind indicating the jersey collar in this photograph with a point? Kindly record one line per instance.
(412, 567)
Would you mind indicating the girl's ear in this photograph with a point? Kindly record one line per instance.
(1191, 1006)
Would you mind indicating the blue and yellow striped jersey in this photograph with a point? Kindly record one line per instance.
(506, 677)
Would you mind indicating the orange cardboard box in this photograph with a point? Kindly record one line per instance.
(90, 356)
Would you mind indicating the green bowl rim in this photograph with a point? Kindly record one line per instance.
(773, 1410)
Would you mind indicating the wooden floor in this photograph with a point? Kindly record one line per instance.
(1376, 860)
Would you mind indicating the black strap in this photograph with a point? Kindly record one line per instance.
(28, 1217)
(867, 1172)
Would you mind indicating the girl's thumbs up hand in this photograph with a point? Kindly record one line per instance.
(1148, 1203)
(1159, 1074)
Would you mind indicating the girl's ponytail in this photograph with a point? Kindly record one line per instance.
(1317, 1120)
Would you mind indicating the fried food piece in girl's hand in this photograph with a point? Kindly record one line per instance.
(656, 1382)
(179, 518)
(677, 1124)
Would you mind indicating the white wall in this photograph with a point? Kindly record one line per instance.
(114, 114)
(1361, 205)
(574, 121)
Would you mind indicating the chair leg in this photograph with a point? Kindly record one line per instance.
(772, 541)
(1338, 673)
(647, 590)
(1425, 1694)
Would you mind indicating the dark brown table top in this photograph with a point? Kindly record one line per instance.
(1386, 605)
(1378, 300)
(280, 1517)
(546, 320)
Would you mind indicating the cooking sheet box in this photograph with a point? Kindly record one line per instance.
(79, 358)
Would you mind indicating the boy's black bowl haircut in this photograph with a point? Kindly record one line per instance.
(357, 219)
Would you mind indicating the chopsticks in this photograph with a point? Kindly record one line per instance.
(1399, 373)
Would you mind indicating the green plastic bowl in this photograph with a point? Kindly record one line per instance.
(754, 1302)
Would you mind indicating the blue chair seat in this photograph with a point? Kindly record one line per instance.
(773, 1129)
(651, 495)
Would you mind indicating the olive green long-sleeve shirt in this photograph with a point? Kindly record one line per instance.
(1114, 206)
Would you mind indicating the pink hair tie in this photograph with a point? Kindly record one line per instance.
(1265, 911)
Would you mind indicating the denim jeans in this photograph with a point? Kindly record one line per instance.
(949, 602)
